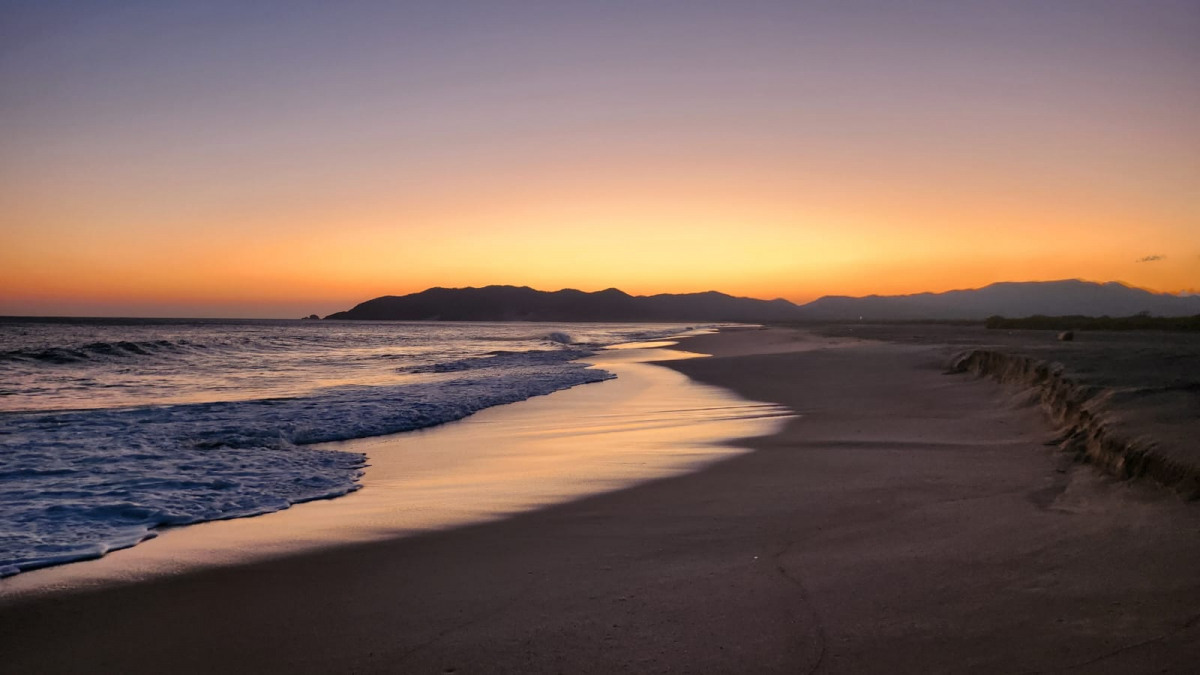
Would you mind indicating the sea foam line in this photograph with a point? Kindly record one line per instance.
(79, 484)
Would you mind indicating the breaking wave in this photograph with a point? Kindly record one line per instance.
(83, 477)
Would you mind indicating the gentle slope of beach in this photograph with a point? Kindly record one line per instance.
(905, 521)
(648, 423)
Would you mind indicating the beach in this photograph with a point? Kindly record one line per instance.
(889, 518)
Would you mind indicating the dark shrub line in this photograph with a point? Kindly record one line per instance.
(1136, 322)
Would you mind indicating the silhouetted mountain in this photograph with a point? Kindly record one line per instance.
(512, 303)
(1010, 299)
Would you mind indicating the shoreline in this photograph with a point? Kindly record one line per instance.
(437, 478)
(904, 521)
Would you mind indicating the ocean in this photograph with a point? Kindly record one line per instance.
(110, 428)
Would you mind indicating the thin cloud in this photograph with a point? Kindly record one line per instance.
(1151, 258)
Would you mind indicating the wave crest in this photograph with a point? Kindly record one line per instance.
(81, 483)
(95, 351)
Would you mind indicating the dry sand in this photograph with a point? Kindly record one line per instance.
(906, 521)
(1127, 401)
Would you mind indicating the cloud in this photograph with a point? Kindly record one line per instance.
(1151, 258)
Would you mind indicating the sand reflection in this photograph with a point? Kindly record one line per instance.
(651, 422)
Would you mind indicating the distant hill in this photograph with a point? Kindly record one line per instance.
(512, 303)
(1010, 299)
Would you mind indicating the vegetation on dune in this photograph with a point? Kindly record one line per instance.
(1137, 322)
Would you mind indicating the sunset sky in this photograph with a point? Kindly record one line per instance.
(276, 159)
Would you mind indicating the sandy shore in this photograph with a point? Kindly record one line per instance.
(1126, 401)
(906, 521)
(650, 422)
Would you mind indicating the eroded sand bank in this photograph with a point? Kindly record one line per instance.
(1127, 402)
(904, 521)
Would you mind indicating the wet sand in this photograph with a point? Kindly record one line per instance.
(650, 422)
(904, 521)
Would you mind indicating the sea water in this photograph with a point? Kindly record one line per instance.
(111, 428)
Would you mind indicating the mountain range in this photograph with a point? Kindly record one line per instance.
(1010, 299)
(513, 303)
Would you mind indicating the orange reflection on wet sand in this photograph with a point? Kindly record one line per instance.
(651, 422)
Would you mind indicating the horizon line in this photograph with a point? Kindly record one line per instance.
(132, 317)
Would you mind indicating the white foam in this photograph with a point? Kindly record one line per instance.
(77, 484)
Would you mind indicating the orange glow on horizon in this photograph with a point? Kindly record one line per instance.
(689, 233)
(799, 163)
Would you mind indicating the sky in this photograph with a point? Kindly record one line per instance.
(277, 159)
